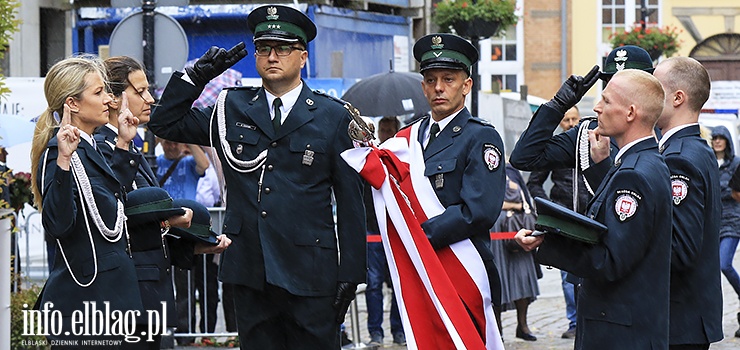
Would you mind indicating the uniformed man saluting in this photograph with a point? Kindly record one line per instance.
(280, 146)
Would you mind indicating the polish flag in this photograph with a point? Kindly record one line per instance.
(444, 295)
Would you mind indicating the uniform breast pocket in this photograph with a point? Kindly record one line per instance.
(435, 167)
(309, 160)
(243, 140)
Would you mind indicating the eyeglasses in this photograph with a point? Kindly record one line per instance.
(280, 50)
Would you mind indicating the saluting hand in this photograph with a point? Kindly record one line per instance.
(68, 138)
(127, 124)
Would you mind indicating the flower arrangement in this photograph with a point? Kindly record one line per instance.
(20, 190)
(654, 40)
(451, 13)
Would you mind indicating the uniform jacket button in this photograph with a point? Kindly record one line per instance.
(317, 241)
(132, 162)
(117, 195)
(273, 145)
(264, 214)
(603, 314)
(267, 190)
(269, 167)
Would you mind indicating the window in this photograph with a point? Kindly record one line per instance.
(506, 82)
(620, 15)
(503, 48)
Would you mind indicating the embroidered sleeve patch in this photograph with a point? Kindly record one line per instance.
(680, 188)
(491, 156)
(626, 204)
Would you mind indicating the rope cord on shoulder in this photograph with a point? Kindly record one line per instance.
(582, 161)
(242, 166)
(85, 190)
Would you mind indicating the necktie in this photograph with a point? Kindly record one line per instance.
(433, 131)
(276, 108)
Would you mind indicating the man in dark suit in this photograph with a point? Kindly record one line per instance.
(696, 291)
(280, 146)
(623, 302)
(463, 155)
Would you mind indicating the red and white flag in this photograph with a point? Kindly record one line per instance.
(444, 296)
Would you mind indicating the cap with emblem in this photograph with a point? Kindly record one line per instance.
(554, 218)
(626, 57)
(149, 205)
(281, 23)
(200, 226)
(444, 51)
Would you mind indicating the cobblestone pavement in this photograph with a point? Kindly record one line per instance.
(546, 319)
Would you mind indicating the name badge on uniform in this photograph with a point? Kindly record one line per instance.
(307, 157)
(439, 181)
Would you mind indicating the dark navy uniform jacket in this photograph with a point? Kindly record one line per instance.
(696, 291)
(153, 267)
(539, 150)
(624, 299)
(63, 219)
(472, 192)
(279, 216)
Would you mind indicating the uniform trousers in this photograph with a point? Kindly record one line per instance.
(273, 318)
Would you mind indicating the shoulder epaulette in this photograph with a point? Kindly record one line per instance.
(253, 88)
(482, 122)
(331, 98)
(630, 162)
(674, 147)
(425, 116)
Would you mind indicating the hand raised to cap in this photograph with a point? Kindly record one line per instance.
(572, 90)
(214, 62)
(68, 138)
(127, 124)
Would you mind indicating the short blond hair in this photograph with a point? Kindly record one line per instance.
(646, 93)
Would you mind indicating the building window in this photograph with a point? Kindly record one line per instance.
(620, 15)
(506, 82)
(503, 48)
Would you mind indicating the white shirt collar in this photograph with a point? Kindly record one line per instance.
(85, 136)
(112, 127)
(289, 99)
(627, 146)
(671, 132)
(442, 124)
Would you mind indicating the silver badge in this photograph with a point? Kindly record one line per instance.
(308, 157)
(309, 102)
(439, 181)
(239, 149)
(457, 128)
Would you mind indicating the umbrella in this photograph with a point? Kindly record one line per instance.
(15, 130)
(388, 94)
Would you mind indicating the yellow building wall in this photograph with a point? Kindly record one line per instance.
(586, 25)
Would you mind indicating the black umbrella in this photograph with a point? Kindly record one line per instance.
(388, 94)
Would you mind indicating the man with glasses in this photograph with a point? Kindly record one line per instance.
(279, 144)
